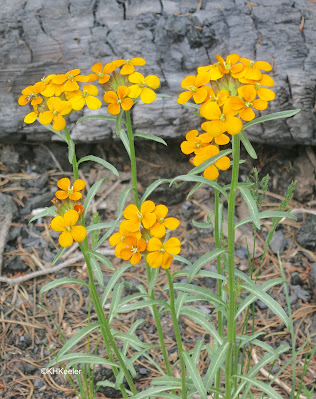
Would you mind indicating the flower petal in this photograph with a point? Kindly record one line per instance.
(136, 257)
(222, 139)
(152, 81)
(161, 211)
(58, 224)
(127, 104)
(266, 94)
(65, 239)
(211, 173)
(173, 246)
(93, 102)
(147, 207)
(172, 223)
(233, 125)
(184, 97)
(154, 259)
(71, 217)
(64, 184)
(149, 220)
(114, 109)
(223, 163)
(148, 96)
(136, 77)
(248, 92)
(158, 230)
(138, 61)
(61, 194)
(79, 233)
(265, 66)
(131, 212)
(247, 114)
(110, 97)
(45, 117)
(210, 110)
(79, 185)
(134, 91)
(115, 239)
(166, 260)
(59, 123)
(75, 196)
(154, 244)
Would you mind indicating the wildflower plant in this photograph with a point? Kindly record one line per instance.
(226, 95)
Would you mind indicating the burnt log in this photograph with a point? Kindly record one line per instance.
(175, 37)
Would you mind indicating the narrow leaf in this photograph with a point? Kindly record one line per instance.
(209, 162)
(59, 254)
(206, 293)
(201, 225)
(99, 226)
(217, 360)
(71, 151)
(277, 115)
(150, 137)
(101, 258)
(251, 204)
(140, 305)
(100, 161)
(113, 280)
(200, 179)
(124, 138)
(268, 215)
(73, 341)
(201, 318)
(264, 387)
(118, 123)
(195, 375)
(206, 258)
(152, 187)
(153, 391)
(61, 281)
(115, 300)
(248, 147)
(91, 194)
(194, 189)
(51, 211)
(97, 272)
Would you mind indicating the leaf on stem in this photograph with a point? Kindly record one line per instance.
(101, 161)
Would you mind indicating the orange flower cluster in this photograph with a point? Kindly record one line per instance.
(69, 209)
(144, 232)
(228, 91)
(56, 96)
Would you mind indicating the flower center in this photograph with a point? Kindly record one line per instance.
(222, 118)
(134, 250)
(192, 88)
(84, 94)
(140, 216)
(248, 104)
(68, 228)
(127, 62)
(251, 64)
(71, 77)
(162, 250)
(228, 67)
(257, 85)
(55, 112)
(197, 145)
(161, 220)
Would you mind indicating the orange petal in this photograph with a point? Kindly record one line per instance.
(115, 239)
(122, 91)
(149, 220)
(110, 97)
(59, 123)
(148, 96)
(266, 94)
(187, 147)
(64, 184)
(188, 81)
(265, 66)
(210, 110)
(79, 184)
(166, 260)
(147, 207)
(138, 61)
(131, 212)
(222, 139)
(114, 109)
(61, 195)
(75, 196)
(247, 114)
(200, 95)
(135, 258)
(127, 69)
(125, 254)
(260, 105)
(172, 223)
(158, 230)
(248, 92)
(184, 97)
(127, 104)
(152, 81)
(266, 80)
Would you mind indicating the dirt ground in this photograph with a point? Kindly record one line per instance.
(31, 332)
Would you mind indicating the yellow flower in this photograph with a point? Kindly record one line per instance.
(195, 87)
(57, 108)
(230, 65)
(70, 232)
(31, 117)
(129, 65)
(143, 86)
(133, 249)
(161, 254)
(56, 86)
(158, 230)
(136, 217)
(262, 92)
(117, 240)
(194, 142)
(101, 72)
(211, 172)
(249, 93)
(31, 94)
(69, 191)
(221, 121)
(213, 70)
(118, 100)
(79, 98)
(252, 68)
(72, 77)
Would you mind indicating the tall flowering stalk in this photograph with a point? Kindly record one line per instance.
(226, 94)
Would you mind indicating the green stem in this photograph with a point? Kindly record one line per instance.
(74, 158)
(217, 225)
(105, 327)
(231, 323)
(133, 157)
(158, 325)
(177, 333)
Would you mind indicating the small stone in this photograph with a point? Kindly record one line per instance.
(11, 161)
(307, 233)
(301, 293)
(278, 242)
(15, 265)
(295, 279)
